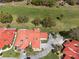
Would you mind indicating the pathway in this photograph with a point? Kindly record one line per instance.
(7, 58)
(47, 47)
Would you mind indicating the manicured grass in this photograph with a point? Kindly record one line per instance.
(51, 56)
(11, 53)
(70, 20)
(70, 16)
(41, 12)
(30, 51)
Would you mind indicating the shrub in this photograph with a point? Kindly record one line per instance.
(8, 26)
(71, 2)
(6, 18)
(48, 22)
(49, 3)
(7, 1)
(22, 19)
(10, 0)
(74, 33)
(77, 2)
(36, 21)
(37, 2)
(17, 0)
(60, 17)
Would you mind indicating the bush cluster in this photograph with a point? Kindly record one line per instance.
(36, 21)
(4, 1)
(45, 22)
(71, 2)
(49, 3)
(6, 18)
(48, 22)
(22, 19)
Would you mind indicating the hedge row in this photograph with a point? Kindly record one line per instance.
(8, 18)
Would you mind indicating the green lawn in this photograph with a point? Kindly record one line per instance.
(11, 53)
(51, 56)
(68, 12)
(70, 19)
(30, 51)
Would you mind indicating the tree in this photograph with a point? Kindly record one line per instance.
(71, 2)
(17, 0)
(37, 2)
(36, 21)
(60, 17)
(6, 18)
(22, 19)
(77, 2)
(48, 22)
(49, 3)
(8, 26)
(6, 0)
(29, 2)
(74, 33)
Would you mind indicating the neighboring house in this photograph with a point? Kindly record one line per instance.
(24, 38)
(6, 37)
(71, 49)
(30, 37)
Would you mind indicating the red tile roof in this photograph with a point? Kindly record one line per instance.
(29, 36)
(1, 43)
(36, 44)
(72, 49)
(23, 39)
(24, 45)
(6, 36)
(44, 35)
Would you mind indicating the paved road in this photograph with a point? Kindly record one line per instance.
(56, 41)
(22, 55)
(7, 58)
